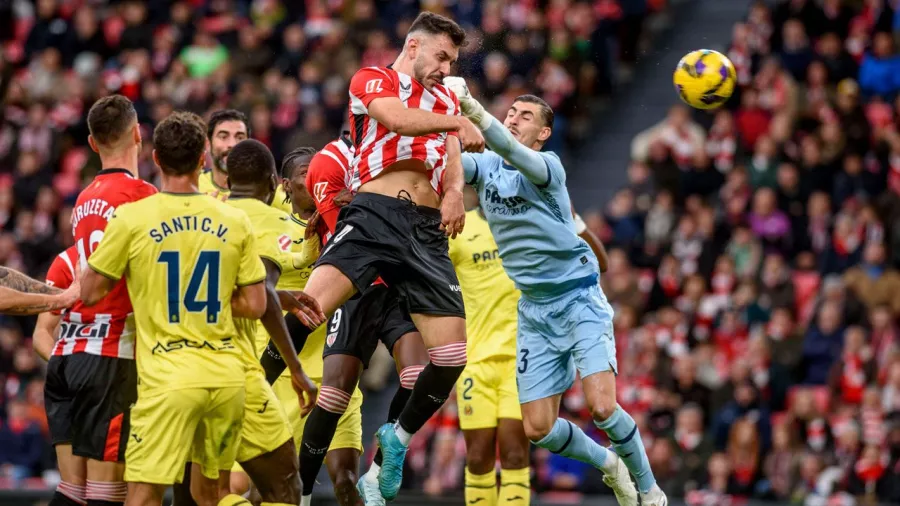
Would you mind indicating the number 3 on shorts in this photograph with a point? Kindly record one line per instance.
(523, 360)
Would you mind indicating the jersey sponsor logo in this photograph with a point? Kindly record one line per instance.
(485, 256)
(506, 206)
(181, 344)
(374, 86)
(96, 330)
(319, 190)
(284, 242)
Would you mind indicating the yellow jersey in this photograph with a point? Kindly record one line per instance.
(311, 354)
(208, 186)
(272, 232)
(182, 256)
(491, 298)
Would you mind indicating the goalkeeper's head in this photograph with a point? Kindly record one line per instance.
(530, 120)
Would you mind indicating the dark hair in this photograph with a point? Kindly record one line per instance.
(250, 162)
(110, 119)
(435, 24)
(179, 143)
(292, 159)
(225, 115)
(546, 110)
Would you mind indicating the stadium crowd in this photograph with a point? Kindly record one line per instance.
(754, 257)
(285, 64)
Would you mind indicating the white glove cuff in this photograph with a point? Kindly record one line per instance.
(580, 226)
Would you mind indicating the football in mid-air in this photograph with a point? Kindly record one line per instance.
(705, 79)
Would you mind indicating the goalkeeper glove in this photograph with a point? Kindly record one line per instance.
(470, 107)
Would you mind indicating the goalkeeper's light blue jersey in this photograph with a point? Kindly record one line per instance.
(532, 223)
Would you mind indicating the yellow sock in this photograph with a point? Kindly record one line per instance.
(515, 487)
(234, 500)
(481, 489)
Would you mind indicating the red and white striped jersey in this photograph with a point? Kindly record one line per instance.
(377, 147)
(329, 173)
(106, 328)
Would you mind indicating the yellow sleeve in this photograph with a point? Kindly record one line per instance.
(251, 269)
(274, 243)
(308, 254)
(111, 256)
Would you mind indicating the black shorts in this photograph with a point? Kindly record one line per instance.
(88, 399)
(393, 238)
(375, 314)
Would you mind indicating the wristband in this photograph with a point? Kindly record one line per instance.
(580, 226)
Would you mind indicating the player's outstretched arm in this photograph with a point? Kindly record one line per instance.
(13, 302)
(15, 280)
(528, 161)
(273, 321)
(45, 334)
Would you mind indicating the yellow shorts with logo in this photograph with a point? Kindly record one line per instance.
(486, 392)
(169, 427)
(349, 429)
(266, 425)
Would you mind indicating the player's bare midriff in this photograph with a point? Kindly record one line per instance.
(402, 177)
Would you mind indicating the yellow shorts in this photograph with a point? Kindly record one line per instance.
(168, 427)
(486, 392)
(266, 425)
(349, 429)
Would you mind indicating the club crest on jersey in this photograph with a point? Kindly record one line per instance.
(319, 190)
(284, 242)
(329, 340)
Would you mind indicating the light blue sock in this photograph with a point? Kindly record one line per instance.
(626, 442)
(568, 440)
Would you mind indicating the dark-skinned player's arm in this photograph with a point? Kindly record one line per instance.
(372, 91)
(453, 210)
(273, 321)
(593, 241)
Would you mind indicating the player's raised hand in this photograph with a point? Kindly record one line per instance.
(342, 198)
(303, 306)
(470, 137)
(453, 213)
(312, 225)
(470, 107)
(306, 391)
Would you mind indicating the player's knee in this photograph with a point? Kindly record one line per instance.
(536, 430)
(604, 408)
(334, 400)
(239, 483)
(284, 491)
(514, 458)
(344, 479)
(480, 460)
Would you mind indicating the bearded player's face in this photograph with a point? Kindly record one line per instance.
(225, 136)
(435, 55)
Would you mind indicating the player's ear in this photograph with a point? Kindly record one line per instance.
(273, 183)
(136, 133)
(93, 144)
(155, 159)
(544, 134)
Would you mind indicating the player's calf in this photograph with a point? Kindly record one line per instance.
(600, 394)
(276, 475)
(320, 427)
(432, 388)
